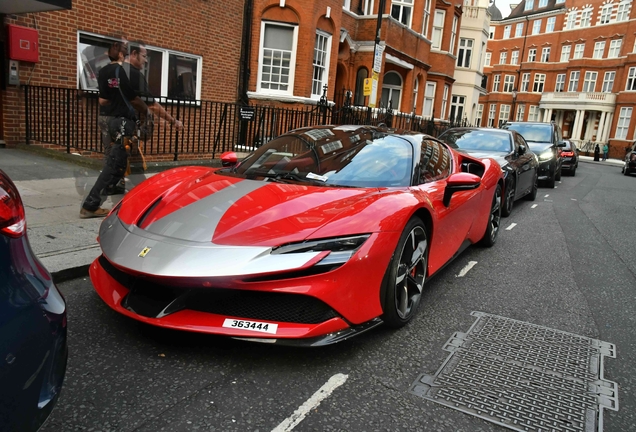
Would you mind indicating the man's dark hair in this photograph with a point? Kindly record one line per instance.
(115, 48)
(135, 46)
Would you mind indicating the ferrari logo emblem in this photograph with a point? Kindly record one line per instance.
(144, 252)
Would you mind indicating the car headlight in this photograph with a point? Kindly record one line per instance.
(546, 155)
(341, 248)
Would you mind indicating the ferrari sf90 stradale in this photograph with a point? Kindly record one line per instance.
(320, 234)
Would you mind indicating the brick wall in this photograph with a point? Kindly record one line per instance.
(210, 29)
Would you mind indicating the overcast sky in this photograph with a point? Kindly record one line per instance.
(504, 6)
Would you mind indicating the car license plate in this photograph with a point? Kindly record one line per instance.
(251, 325)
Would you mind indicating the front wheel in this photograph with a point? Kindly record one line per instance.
(551, 180)
(557, 176)
(494, 221)
(404, 280)
(626, 171)
(509, 198)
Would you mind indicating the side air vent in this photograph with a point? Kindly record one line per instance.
(147, 212)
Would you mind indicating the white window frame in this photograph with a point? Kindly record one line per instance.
(608, 81)
(525, 82)
(538, 83)
(458, 107)
(426, 18)
(533, 113)
(514, 57)
(392, 88)
(451, 47)
(550, 24)
(529, 5)
(622, 125)
(487, 58)
(503, 57)
(519, 30)
(565, 53)
(506, 33)
(402, 6)
(606, 13)
(521, 111)
(536, 27)
(416, 87)
(437, 36)
(367, 7)
(630, 85)
(545, 55)
(543, 3)
(579, 49)
(570, 21)
(479, 114)
(165, 65)
(559, 85)
(429, 99)
(599, 50)
(445, 101)
(492, 113)
(622, 13)
(346, 4)
(292, 61)
(532, 55)
(491, 33)
(496, 82)
(586, 18)
(589, 81)
(509, 83)
(318, 69)
(465, 52)
(504, 113)
(615, 48)
(573, 83)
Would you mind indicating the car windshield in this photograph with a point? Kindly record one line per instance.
(481, 140)
(353, 157)
(540, 133)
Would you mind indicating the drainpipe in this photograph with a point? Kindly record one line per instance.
(246, 45)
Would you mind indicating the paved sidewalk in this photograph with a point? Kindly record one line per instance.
(53, 190)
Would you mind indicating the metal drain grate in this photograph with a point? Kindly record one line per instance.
(524, 377)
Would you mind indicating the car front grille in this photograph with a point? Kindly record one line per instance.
(150, 299)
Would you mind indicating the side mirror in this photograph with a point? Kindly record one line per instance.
(229, 159)
(561, 144)
(522, 150)
(460, 182)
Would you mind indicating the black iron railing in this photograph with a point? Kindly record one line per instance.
(69, 117)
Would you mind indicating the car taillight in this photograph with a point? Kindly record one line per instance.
(567, 154)
(12, 221)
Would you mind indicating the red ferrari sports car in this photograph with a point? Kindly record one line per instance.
(319, 235)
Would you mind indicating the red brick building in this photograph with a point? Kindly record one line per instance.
(298, 47)
(194, 48)
(567, 61)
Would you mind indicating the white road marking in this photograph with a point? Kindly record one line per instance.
(573, 199)
(292, 421)
(547, 195)
(465, 270)
(534, 205)
(511, 226)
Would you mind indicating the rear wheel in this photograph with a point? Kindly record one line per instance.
(626, 171)
(490, 237)
(509, 198)
(535, 188)
(573, 172)
(405, 276)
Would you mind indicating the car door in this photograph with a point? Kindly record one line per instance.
(524, 164)
(453, 222)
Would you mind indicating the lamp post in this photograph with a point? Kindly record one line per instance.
(514, 101)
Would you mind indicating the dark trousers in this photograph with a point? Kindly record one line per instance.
(114, 169)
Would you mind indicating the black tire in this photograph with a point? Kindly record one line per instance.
(550, 181)
(573, 172)
(557, 176)
(535, 188)
(405, 277)
(509, 198)
(626, 171)
(494, 221)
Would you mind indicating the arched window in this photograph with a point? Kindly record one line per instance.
(360, 77)
(391, 90)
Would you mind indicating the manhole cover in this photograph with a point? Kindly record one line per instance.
(524, 377)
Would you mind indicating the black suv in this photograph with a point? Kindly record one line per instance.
(546, 141)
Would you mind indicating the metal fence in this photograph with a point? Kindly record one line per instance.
(69, 117)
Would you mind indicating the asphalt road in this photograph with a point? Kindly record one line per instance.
(567, 264)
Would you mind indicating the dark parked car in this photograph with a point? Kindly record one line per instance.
(518, 163)
(570, 155)
(546, 142)
(33, 347)
(630, 161)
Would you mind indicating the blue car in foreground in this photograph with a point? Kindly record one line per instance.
(33, 341)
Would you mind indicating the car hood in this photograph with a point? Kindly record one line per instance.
(198, 205)
(539, 147)
(500, 157)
